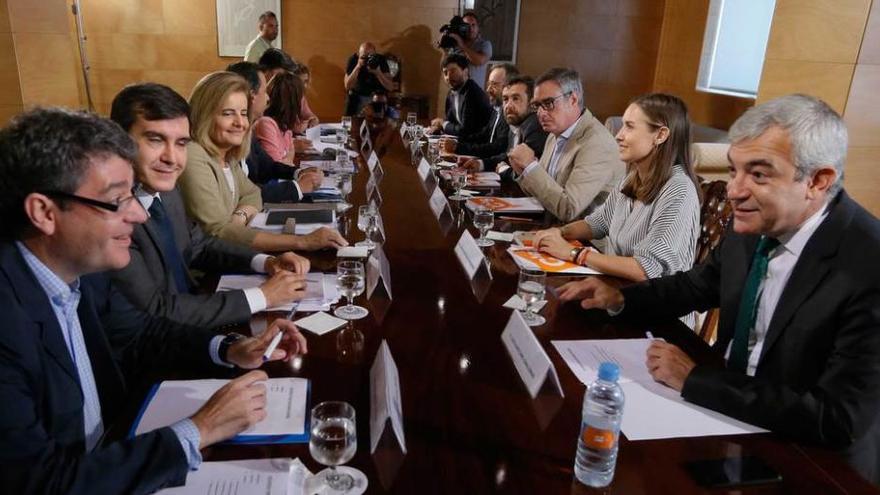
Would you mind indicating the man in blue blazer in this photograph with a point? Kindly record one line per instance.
(798, 284)
(66, 197)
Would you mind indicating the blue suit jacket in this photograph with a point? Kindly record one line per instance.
(41, 420)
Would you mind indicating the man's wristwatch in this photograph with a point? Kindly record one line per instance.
(226, 343)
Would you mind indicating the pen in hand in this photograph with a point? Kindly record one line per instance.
(277, 338)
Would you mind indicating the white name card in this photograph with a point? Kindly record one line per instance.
(380, 226)
(373, 165)
(469, 254)
(438, 203)
(403, 129)
(385, 402)
(313, 134)
(424, 169)
(378, 268)
(373, 193)
(530, 359)
(365, 130)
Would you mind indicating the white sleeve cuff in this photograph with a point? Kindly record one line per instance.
(188, 435)
(526, 171)
(299, 190)
(615, 311)
(258, 263)
(255, 298)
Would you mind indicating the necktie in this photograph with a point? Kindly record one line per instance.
(173, 260)
(94, 426)
(495, 125)
(552, 167)
(748, 305)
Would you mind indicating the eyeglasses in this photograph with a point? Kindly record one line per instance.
(548, 104)
(114, 207)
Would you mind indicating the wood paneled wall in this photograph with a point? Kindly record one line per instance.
(862, 116)
(828, 49)
(612, 44)
(678, 63)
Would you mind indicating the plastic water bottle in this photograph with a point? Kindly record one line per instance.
(600, 429)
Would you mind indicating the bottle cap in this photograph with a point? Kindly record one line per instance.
(609, 371)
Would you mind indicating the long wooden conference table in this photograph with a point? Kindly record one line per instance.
(470, 425)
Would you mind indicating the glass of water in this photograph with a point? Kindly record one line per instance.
(350, 282)
(367, 224)
(459, 181)
(531, 290)
(346, 126)
(433, 154)
(484, 219)
(411, 118)
(333, 442)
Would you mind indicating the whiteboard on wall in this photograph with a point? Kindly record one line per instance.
(237, 22)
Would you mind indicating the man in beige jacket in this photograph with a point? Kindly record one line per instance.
(580, 164)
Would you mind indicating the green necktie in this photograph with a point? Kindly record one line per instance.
(748, 305)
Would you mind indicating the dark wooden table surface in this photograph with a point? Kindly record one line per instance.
(470, 425)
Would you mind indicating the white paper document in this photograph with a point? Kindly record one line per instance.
(245, 477)
(259, 222)
(500, 236)
(320, 323)
(352, 252)
(530, 359)
(286, 408)
(652, 410)
(321, 291)
(385, 403)
(469, 254)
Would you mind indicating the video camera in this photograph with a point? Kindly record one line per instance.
(455, 26)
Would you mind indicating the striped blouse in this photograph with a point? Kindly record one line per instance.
(661, 235)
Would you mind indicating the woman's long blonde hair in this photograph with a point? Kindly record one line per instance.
(206, 99)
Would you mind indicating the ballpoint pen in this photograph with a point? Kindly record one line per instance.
(277, 338)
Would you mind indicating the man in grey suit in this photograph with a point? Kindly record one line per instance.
(580, 163)
(798, 284)
(168, 244)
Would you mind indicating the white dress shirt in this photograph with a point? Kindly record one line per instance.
(782, 261)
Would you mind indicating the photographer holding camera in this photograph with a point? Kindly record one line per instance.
(462, 35)
(367, 73)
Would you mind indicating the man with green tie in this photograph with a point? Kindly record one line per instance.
(798, 284)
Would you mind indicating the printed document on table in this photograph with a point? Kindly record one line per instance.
(321, 291)
(245, 477)
(286, 409)
(652, 410)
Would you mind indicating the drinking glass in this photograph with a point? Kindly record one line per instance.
(346, 126)
(531, 290)
(484, 219)
(340, 137)
(411, 118)
(459, 181)
(433, 154)
(350, 277)
(367, 224)
(333, 442)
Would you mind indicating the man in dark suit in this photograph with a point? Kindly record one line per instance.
(467, 106)
(798, 284)
(493, 136)
(66, 197)
(523, 127)
(168, 244)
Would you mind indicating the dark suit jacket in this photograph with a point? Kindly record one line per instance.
(475, 111)
(42, 446)
(490, 140)
(148, 282)
(818, 377)
(531, 134)
(273, 178)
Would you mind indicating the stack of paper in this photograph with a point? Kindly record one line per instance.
(652, 410)
(286, 418)
(507, 205)
(321, 291)
(528, 257)
(477, 179)
(246, 477)
(261, 222)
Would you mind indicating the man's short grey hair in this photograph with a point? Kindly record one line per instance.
(817, 133)
(568, 80)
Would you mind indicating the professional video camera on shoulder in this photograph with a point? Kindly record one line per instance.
(455, 26)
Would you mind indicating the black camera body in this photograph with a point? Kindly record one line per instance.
(455, 26)
(374, 59)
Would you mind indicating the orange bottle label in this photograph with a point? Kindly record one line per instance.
(595, 438)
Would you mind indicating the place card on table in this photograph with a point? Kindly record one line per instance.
(380, 227)
(374, 166)
(530, 359)
(438, 203)
(365, 129)
(403, 129)
(366, 147)
(385, 403)
(378, 267)
(500, 236)
(469, 254)
(424, 169)
(372, 189)
(352, 252)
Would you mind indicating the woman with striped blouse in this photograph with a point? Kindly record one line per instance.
(652, 220)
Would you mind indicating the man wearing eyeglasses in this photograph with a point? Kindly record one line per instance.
(580, 163)
(164, 247)
(66, 198)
